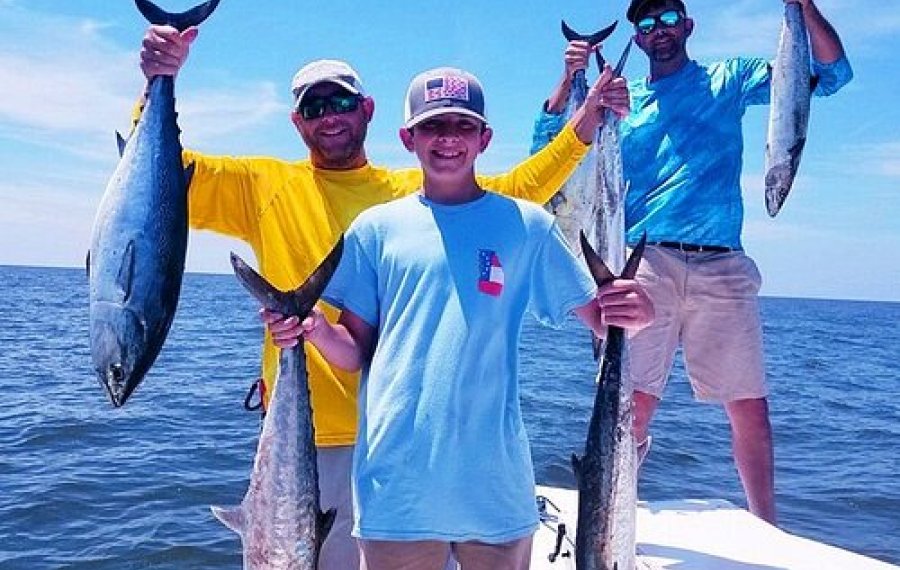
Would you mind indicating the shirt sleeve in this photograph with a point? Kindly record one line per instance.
(831, 76)
(539, 177)
(560, 281)
(755, 76)
(546, 127)
(354, 285)
(227, 194)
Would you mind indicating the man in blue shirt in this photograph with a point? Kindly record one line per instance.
(681, 153)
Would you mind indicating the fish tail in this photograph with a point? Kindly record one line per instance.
(298, 302)
(179, 20)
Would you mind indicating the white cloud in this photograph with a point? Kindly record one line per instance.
(67, 87)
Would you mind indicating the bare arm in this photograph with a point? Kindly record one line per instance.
(823, 38)
(347, 344)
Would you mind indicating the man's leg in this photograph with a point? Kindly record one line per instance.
(340, 550)
(514, 555)
(644, 407)
(723, 354)
(751, 440)
(396, 555)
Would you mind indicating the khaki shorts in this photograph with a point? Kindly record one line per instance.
(436, 555)
(708, 303)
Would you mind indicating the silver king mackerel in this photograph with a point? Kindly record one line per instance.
(139, 240)
(279, 520)
(790, 105)
(575, 204)
(606, 474)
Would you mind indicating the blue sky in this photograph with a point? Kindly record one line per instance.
(69, 77)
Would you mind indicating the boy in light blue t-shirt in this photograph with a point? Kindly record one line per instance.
(433, 289)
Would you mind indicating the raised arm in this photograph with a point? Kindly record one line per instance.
(577, 57)
(823, 39)
(539, 177)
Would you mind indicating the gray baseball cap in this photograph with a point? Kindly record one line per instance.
(443, 90)
(325, 71)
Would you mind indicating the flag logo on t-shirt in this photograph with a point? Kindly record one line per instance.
(490, 273)
(447, 87)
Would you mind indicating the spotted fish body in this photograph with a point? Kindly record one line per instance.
(606, 474)
(140, 236)
(789, 113)
(279, 520)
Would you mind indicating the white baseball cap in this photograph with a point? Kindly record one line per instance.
(325, 71)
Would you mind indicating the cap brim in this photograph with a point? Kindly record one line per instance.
(443, 111)
(337, 81)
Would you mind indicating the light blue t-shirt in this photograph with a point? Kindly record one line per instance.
(442, 452)
(682, 147)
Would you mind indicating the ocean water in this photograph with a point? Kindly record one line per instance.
(86, 486)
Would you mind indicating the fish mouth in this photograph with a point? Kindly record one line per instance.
(119, 349)
(115, 382)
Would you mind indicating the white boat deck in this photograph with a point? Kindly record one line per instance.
(702, 535)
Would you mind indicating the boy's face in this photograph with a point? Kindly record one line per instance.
(448, 143)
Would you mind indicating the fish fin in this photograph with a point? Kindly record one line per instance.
(325, 522)
(597, 344)
(620, 65)
(120, 143)
(181, 21)
(232, 517)
(298, 302)
(634, 260)
(598, 269)
(576, 467)
(125, 276)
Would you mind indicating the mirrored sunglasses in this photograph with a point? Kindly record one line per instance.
(668, 19)
(339, 103)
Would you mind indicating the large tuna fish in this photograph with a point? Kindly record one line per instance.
(279, 520)
(607, 472)
(140, 235)
(789, 113)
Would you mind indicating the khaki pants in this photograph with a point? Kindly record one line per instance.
(434, 555)
(340, 550)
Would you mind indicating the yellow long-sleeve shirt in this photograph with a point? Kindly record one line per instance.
(292, 214)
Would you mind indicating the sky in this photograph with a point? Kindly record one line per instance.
(69, 77)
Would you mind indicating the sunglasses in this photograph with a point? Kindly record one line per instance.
(339, 103)
(668, 19)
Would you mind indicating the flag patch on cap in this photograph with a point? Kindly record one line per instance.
(447, 87)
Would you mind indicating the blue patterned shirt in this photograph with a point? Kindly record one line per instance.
(682, 147)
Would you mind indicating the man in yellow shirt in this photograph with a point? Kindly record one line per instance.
(292, 213)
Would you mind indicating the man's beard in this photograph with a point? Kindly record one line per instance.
(339, 155)
(667, 52)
